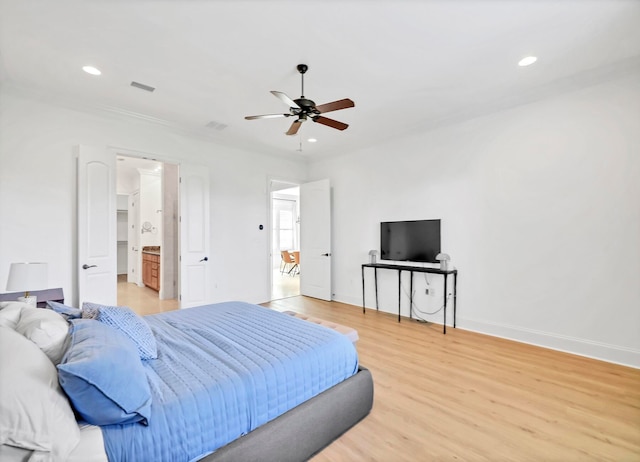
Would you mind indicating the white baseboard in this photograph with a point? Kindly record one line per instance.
(578, 346)
(348, 300)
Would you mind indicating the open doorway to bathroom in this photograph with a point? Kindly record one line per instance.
(285, 240)
(147, 233)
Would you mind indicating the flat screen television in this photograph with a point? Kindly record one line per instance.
(417, 241)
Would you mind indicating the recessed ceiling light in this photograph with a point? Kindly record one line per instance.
(527, 61)
(91, 70)
(312, 140)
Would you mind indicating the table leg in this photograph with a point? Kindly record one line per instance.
(444, 325)
(375, 279)
(363, 312)
(455, 295)
(411, 295)
(399, 291)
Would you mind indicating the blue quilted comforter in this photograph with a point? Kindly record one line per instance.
(222, 371)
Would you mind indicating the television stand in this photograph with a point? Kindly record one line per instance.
(411, 270)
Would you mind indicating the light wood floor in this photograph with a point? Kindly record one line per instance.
(471, 397)
(284, 285)
(142, 300)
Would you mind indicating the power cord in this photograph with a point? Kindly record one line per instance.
(434, 312)
(415, 310)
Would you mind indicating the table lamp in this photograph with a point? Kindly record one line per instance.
(373, 255)
(24, 277)
(444, 260)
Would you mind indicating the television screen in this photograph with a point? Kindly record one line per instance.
(417, 241)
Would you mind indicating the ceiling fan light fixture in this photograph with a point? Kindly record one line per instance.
(528, 61)
(91, 70)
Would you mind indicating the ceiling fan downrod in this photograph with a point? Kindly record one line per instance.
(302, 68)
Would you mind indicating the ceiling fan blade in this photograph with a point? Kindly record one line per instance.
(335, 105)
(295, 126)
(285, 99)
(267, 116)
(330, 123)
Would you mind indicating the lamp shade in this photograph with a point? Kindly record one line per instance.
(24, 277)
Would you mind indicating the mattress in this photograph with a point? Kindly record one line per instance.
(222, 371)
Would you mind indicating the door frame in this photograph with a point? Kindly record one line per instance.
(128, 152)
(270, 191)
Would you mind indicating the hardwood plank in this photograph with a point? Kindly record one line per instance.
(468, 396)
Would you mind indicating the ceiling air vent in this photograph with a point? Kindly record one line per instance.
(216, 125)
(142, 86)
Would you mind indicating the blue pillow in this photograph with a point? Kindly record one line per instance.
(103, 376)
(125, 320)
(68, 312)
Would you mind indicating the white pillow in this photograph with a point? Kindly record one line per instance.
(10, 313)
(45, 328)
(34, 413)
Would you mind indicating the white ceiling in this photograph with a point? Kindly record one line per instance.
(128, 172)
(408, 65)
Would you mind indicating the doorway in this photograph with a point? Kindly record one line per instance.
(285, 238)
(148, 262)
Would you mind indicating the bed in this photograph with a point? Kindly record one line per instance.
(225, 382)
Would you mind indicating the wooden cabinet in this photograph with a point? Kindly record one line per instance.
(151, 270)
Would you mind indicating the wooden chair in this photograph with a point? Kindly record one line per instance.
(296, 259)
(287, 262)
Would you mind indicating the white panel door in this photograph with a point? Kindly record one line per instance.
(315, 239)
(135, 274)
(97, 243)
(195, 280)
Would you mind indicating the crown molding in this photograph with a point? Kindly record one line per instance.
(205, 134)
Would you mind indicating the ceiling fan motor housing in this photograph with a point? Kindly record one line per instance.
(306, 105)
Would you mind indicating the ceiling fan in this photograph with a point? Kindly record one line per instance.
(304, 109)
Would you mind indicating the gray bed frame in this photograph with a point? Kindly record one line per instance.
(305, 430)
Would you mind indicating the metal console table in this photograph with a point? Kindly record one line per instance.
(411, 270)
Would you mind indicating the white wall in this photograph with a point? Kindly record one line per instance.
(150, 208)
(540, 209)
(38, 191)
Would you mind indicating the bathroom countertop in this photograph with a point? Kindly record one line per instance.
(151, 249)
